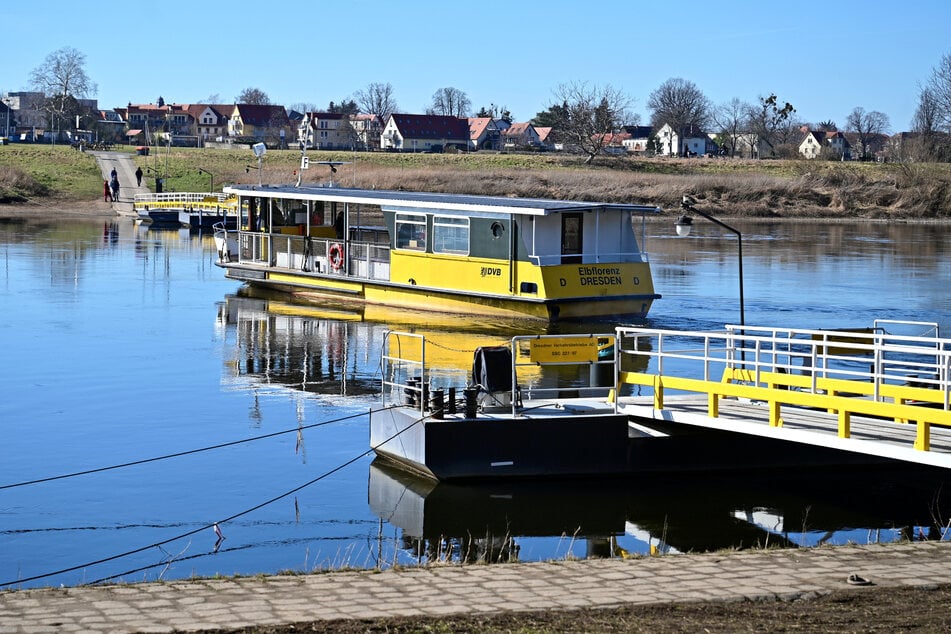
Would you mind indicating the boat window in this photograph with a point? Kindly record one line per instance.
(245, 214)
(411, 231)
(450, 235)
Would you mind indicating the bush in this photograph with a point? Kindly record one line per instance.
(16, 186)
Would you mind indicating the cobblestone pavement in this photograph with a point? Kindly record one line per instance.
(442, 590)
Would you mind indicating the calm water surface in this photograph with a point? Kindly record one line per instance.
(123, 344)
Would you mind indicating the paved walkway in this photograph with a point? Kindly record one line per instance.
(125, 170)
(182, 606)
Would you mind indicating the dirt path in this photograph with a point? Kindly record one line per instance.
(124, 166)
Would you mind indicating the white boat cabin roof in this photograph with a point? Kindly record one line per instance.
(463, 203)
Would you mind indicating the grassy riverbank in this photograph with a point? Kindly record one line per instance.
(789, 189)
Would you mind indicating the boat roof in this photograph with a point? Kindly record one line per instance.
(432, 200)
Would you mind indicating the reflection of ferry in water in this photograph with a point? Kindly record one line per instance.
(334, 350)
(543, 259)
(657, 514)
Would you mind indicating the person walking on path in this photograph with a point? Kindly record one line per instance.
(138, 177)
(106, 195)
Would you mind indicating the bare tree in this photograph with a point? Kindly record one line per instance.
(929, 141)
(939, 87)
(925, 119)
(730, 119)
(932, 119)
(450, 102)
(254, 96)
(62, 79)
(303, 107)
(866, 125)
(770, 124)
(681, 105)
(377, 99)
(590, 115)
(924, 124)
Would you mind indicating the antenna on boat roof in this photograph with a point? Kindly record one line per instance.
(333, 168)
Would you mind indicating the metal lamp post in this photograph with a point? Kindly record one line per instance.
(684, 225)
(211, 176)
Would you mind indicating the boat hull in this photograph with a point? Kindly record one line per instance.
(316, 288)
(481, 448)
(457, 449)
(205, 221)
(164, 217)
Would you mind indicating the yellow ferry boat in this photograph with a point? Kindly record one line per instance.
(475, 255)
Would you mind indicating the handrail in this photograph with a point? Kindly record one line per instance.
(578, 354)
(589, 258)
(191, 199)
(398, 364)
(403, 359)
(862, 371)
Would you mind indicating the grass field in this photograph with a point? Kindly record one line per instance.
(732, 187)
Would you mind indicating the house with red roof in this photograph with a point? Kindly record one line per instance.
(150, 119)
(485, 133)
(327, 131)
(832, 141)
(545, 136)
(267, 124)
(520, 135)
(210, 120)
(424, 133)
(367, 128)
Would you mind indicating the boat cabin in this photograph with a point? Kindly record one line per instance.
(480, 254)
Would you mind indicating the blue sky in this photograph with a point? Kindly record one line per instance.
(824, 57)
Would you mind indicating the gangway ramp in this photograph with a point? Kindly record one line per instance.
(873, 391)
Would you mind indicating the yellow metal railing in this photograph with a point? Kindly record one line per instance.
(838, 379)
(186, 200)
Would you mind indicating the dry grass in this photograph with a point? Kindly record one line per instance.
(728, 187)
(17, 186)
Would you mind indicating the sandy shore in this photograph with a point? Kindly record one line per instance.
(58, 209)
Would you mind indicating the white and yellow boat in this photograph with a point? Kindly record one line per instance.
(475, 255)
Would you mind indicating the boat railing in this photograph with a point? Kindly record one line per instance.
(330, 256)
(585, 365)
(403, 360)
(864, 370)
(541, 367)
(552, 259)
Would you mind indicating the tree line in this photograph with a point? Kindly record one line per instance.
(583, 115)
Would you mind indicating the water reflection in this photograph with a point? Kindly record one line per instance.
(335, 349)
(802, 274)
(126, 342)
(653, 514)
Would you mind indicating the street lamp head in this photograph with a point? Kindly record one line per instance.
(683, 226)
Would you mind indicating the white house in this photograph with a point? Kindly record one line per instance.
(693, 143)
(326, 131)
(367, 128)
(637, 140)
(424, 133)
(815, 140)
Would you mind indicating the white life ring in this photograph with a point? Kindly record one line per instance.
(335, 255)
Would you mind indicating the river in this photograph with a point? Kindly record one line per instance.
(124, 346)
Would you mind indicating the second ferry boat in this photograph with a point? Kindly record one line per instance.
(477, 255)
